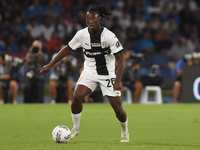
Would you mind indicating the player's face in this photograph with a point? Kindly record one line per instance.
(93, 21)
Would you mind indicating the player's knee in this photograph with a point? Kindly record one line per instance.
(138, 85)
(77, 98)
(70, 82)
(13, 84)
(177, 84)
(52, 84)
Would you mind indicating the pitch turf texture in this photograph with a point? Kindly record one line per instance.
(152, 127)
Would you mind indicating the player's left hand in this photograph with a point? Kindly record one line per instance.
(117, 86)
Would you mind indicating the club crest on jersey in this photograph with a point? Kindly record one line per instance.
(96, 44)
(104, 44)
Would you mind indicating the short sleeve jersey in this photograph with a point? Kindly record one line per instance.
(99, 50)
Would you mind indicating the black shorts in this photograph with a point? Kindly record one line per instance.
(178, 78)
(129, 84)
(5, 84)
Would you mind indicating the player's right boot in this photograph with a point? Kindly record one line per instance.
(124, 136)
(75, 132)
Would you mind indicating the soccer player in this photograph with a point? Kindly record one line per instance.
(102, 52)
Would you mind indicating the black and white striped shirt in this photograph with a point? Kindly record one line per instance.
(98, 50)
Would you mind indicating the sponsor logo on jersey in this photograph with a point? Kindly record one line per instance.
(92, 53)
(96, 44)
(97, 52)
(118, 44)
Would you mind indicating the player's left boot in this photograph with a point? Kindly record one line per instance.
(124, 136)
(75, 132)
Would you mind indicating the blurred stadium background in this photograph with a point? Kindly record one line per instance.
(170, 27)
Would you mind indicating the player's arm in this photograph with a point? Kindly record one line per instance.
(73, 45)
(179, 72)
(62, 53)
(120, 68)
(5, 77)
(179, 67)
(56, 64)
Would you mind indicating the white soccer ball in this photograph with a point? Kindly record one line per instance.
(61, 134)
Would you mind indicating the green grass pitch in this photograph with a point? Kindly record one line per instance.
(151, 127)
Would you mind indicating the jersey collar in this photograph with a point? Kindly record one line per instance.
(102, 28)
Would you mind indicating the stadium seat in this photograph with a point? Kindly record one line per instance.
(157, 95)
(128, 95)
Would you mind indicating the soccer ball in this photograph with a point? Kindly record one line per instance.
(61, 134)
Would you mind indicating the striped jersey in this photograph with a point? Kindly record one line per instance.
(98, 50)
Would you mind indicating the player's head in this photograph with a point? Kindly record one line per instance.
(94, 15)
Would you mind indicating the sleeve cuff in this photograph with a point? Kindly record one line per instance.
(118, 52)
(71, 48)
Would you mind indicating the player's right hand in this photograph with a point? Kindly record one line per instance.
(45, 69)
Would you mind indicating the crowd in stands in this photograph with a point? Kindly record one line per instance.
(164, 30)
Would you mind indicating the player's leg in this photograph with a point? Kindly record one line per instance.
(70, 82)
(52, 90)
(76, 107)
(106, 86)
(116, 104)
(2, 100)
(80, 92)
(176, 90)
(87, 83)
(138, 89)
(14, 89)
(87, 99)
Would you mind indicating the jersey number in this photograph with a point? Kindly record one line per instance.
(110, 82)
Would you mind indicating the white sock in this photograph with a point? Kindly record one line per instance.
(124, 125)
(76, 119)
(53, 101)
